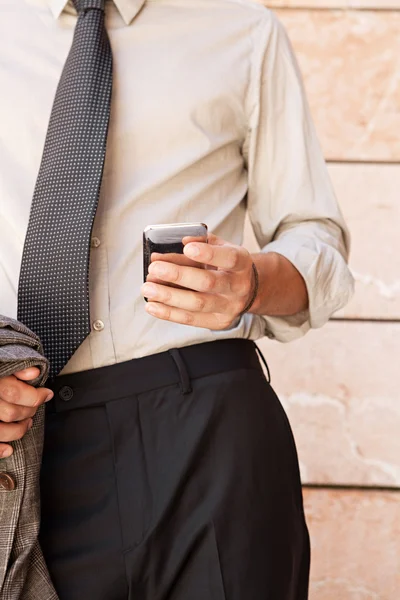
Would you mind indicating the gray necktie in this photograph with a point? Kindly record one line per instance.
(53, 294)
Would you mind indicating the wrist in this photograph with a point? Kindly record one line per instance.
(254, 289)
(282, 290)
(266, 265)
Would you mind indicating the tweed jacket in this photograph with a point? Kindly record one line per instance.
(23, 572)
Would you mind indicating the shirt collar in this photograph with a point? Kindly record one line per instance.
(127, 8)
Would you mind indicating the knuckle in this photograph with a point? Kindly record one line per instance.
(9, 413)
(166, 295)
(227, 323)
(233, 258)
(176, 275)
(209, 253)
(237, 307)
(209, 282)
(242, 287)
(200, 302)
(188, 318)
(241, 300)
(223, 322)
(10, 392)
(228, 306)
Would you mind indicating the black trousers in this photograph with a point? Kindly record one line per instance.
(173, 477)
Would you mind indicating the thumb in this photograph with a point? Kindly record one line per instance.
(28, 374)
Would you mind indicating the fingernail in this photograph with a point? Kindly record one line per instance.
(159, 271)
(192, 250)
(149, 290)
(30, 424)
(159, 268)
(6, 453)
(153, 308)
(49, 397)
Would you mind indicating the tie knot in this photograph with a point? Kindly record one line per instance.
(83, 5)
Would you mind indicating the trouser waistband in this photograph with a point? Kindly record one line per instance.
(175, 366)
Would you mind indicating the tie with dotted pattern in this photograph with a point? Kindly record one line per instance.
(53, 294)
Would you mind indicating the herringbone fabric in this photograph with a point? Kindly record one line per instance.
(53, 295)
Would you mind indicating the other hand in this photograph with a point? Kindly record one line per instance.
(211, 297)
(19, 402)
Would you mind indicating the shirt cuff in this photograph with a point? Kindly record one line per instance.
(328, 279)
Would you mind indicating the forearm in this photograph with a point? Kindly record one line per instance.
(282, 290)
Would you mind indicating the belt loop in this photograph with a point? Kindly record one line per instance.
(264, 361)
(186, 386)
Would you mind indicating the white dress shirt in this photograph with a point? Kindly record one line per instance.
(209, 119)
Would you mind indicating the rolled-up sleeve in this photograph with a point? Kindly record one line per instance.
(291, 202)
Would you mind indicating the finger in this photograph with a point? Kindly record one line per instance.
(28, 374)
(214, 321)
(177, 259)
(187, 240)
(201, 280)
(9, 432)
(17, 392)
(5, 450)
(211, 239)
(186, 299)
(195, 238)
(215, 241)
(10, 413)
(226, 257)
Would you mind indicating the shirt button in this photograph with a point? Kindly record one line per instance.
(95, 242)
(66, 393)
(98, 325)
(7, 482)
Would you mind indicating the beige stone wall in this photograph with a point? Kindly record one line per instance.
(340, 385)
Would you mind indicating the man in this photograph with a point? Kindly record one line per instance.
(169, 468)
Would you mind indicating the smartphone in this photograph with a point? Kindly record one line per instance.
(167, 239)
